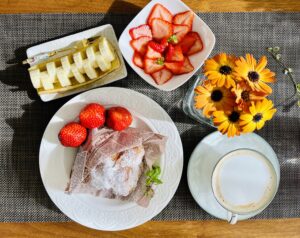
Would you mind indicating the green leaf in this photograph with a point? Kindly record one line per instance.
(157, 181)
(152, 176)
(173, 39)
(160, 61)
(298, 87)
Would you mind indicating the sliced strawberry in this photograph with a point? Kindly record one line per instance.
(138, 60)
(164, 42)
(175, 67)
(180, 31)
(157, 47)
(159, 11)
(184, 18)
(160, 29)
(197, 46)
(162, 76)
(187, 42)
(152, 54)
(174, 53)
(152, 65)
(186, 67)
(140, 44)
(142, 30)
(180, 67)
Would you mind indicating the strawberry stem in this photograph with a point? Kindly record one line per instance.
(173, 39)
(160, 61)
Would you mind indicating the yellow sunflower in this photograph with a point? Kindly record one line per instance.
(255, 74)
(219, 70)
(228, 122)
(244, 95)
(259, 113)
(210, 98)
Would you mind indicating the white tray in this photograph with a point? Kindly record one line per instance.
(105, 30)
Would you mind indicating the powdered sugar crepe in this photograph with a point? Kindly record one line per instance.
(113, 164)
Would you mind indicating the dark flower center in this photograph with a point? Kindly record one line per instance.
(257, 117)
(225, 70)
(234, 116)
(245, 96)
(253, 76)
(216, 95)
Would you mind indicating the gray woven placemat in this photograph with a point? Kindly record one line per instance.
(23, 117)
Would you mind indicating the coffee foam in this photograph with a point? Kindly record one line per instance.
(244, 181)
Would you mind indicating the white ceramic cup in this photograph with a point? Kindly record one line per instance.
(244, 181)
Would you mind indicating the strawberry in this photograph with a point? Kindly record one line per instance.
(140, 44)
(164, 42)
(118, 118)
(138, 60)
(159, 11)
(157, 47)
(153, 65)
(187, 42)
(174, 67)
(92, 116)
(197, 46)
(160, 28)
(186, 67)
(180, 31)
(152, 54)
(162, 76)
(142, 30)
(184, 18)
(72, 135)
(180, 67)
(174, 53)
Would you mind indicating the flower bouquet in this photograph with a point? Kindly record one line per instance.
(234, 93)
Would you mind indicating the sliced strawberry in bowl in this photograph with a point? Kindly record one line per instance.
(140, 44)
(152, 54)
(138, 60)
(153, 65)
(157, 47)
(197, 46)
(164, 42)
(174, 53)
(159, 11)
(162, 76)
(187, 42)
(184, 18)
(186, 67)
(142, 30)
(174, 67)
(180, 67)
(161, 29)
(180, 31)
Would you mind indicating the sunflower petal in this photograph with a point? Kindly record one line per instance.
(251, 61)
(265, 88)
(260, 124)
(245, 119)
(261, 64)
(250, 127)
(269, 114)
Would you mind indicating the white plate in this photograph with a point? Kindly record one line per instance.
(174, 6)
(105, 30)
(206, 155)
(99, 213)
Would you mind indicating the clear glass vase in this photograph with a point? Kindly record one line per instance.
(189, 104)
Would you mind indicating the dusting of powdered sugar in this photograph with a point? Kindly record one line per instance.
(120, 172)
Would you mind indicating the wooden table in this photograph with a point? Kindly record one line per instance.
(254, 228)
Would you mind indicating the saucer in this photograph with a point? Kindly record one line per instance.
(204, 158)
